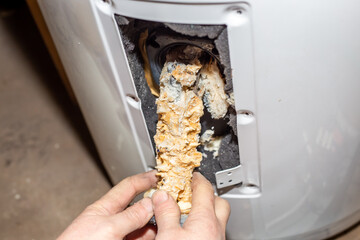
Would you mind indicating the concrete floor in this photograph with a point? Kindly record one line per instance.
(49, 168)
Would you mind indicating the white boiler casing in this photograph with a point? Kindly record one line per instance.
(296, 69)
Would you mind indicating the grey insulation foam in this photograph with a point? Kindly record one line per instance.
(221, 43)
(195, 30)
(130, 34)
(130, 30)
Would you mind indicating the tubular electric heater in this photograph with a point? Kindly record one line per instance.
(288, 155)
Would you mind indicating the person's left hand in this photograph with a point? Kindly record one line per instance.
(108, 218)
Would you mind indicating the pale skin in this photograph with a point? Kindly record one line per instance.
(109, 218)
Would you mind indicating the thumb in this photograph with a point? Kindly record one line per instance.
(166, 210)
(134, 217)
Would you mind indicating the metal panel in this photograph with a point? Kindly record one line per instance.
(304, 104)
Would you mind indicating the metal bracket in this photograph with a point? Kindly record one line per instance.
(229, 177)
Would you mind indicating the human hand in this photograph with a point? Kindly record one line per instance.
(207, 218)
(108, 219)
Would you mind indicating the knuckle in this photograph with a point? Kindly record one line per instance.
(167, 208)
(206, 185)
(205, 211)
(136, 214)
(108, 228)
(96, 209)
(129, 182)
(204, 217)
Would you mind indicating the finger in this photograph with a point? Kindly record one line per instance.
(134, 217)
(121, 195)
(146, 233)
(203, 199)
(222, 211)
(166, 210)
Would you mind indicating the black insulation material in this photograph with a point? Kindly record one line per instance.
(210, 31)
(130, 30)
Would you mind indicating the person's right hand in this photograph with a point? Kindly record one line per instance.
(207, 218)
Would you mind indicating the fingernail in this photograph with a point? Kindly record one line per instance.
(160, 197)
(147, 204)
